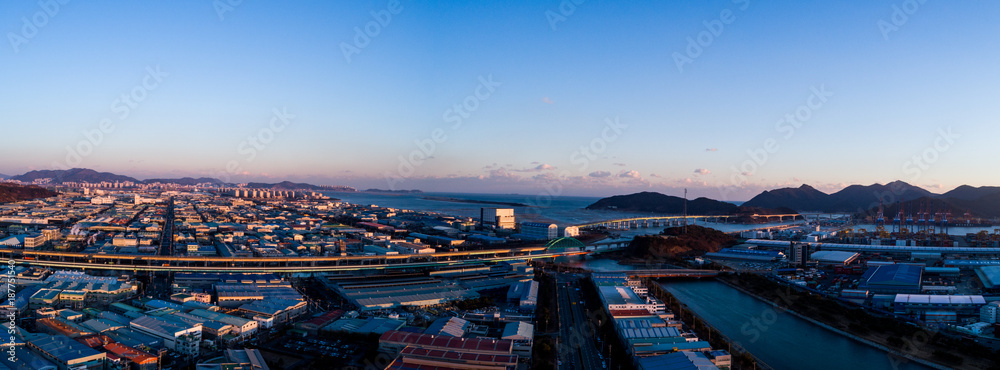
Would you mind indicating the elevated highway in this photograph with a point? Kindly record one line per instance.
(666, 273)
(123, 262)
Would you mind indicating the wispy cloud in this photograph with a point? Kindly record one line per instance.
(712, 150)
(631, 174)
(546, 100)
(619, 164)
(702, 171)
(600, 174)
(538, 168)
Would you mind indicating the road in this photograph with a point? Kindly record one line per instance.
(160, 286)
(577, 349)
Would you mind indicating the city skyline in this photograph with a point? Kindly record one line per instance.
(725, 98)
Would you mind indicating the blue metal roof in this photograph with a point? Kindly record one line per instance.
(896, 274)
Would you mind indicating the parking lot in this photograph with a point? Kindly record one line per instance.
(334, 348)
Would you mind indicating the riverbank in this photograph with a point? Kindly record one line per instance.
(836, 330)
(887, 334)
(741, 358)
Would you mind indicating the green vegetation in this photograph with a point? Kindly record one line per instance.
(674, 242)
(475, 303)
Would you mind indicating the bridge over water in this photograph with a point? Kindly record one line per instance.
(659, 221)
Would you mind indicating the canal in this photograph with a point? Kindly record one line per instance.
(779, 339)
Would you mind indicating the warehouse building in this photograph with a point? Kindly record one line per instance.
(938, 308)
(181, 338)
(393, 342)
(834, 258)
(523, 336)
(990, 277)
(676, 361)
(889, 279)
(67, 353)
(388, 293)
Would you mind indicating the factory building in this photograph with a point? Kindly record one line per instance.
(938, 308)
(834, 258)
(539, 231)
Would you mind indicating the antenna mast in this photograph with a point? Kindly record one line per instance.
(685, 210)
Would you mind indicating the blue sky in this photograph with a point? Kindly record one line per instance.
(892, 80)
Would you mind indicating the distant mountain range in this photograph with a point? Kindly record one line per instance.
(2, 176)
(978, 201)
(91, 176)
(653, 202)
(73, 175)
(288, 185)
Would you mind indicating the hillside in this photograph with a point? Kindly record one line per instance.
(966, 192)
(802, 198)
(16, 193)
(73, 175)
(91, 176)
(673, 242)
(652, 202)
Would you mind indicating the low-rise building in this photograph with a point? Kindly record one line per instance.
(67, 353)
(184, 339)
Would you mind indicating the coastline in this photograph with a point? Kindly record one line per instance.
(473, 201)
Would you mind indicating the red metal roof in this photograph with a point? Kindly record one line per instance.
(429, 341)
(325, 318)
(452, 356)
(627, 313)
(130, 353)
